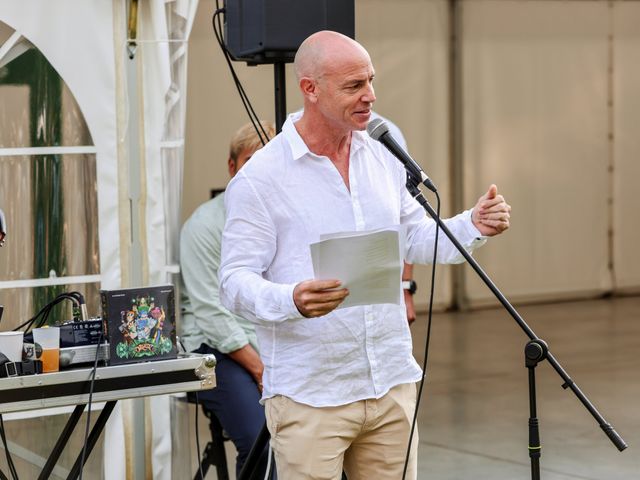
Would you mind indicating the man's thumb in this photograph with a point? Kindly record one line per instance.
(492, 192)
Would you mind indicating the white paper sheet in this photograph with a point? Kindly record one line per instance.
(369, 264)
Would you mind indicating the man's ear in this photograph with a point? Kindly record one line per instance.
(231, 164)
(309, 89)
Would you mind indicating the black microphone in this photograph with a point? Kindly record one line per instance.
(379, 130)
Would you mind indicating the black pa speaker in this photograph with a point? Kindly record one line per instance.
(270, 31)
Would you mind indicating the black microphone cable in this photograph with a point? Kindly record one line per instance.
(12, 467)
(73, 296)
(218, 32)
(426, 346)
(198, 437)
(80, 309)
(28, 324)
(43, 313)
(86, 430)
(197, 402)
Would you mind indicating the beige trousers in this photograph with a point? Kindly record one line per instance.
(367, 438)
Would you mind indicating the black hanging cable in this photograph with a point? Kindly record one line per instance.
(76, 298)
(86, 430)
(227, 55)
(43, 314)
(255, 120)
(30, 322)
(198, 438)
(217, 29)
(426, 346)
(196, 422)
(80, 308)
(12, 467)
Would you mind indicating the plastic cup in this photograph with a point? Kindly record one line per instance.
(11, 345)
(49, 340)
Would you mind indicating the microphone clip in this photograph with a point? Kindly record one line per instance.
(412, 184)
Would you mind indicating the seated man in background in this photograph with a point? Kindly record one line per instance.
(208, 327)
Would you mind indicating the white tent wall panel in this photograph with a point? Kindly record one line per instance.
(626, 202)
(536, 123)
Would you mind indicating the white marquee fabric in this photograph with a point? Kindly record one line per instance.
(85, 42)
(626, 234)
(550, 111)
(73, 35)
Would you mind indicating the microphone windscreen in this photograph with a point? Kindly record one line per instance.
(377, 128)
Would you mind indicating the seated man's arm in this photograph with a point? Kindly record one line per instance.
(250, 361)
(199, 262)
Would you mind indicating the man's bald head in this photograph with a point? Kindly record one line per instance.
(320, 50)
(335, 77)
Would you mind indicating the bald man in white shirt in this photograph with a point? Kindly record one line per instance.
(339, 384)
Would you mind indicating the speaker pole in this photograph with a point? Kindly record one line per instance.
(280, 94)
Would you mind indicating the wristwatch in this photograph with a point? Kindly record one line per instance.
(410, 285)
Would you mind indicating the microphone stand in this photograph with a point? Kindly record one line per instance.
(536, 349)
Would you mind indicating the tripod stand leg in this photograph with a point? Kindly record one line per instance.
(256, 452)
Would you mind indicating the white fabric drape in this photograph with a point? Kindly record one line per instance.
(626, 105)
(78, 39)
(163, 35)
(73, 35)
(537, 110)
(163, 39)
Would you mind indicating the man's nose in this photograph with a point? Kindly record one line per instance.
(369, 95)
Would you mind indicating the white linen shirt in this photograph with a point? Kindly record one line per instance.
(277, 205)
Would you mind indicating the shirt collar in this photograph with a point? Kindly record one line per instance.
(299, 149)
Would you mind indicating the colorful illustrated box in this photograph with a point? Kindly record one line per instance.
(140, 323)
